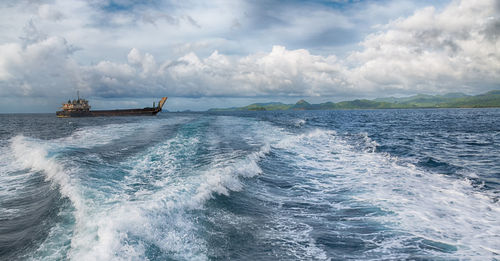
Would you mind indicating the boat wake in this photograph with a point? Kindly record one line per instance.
(223, 187)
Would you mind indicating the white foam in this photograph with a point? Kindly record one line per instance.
(30, 155)
(12, 179)
(88, 137)
(158, 210)
(159, 193)
(300, 122)
(224, 177)
(369, 144)
(90, 210)
(425, 205)
(114, 223)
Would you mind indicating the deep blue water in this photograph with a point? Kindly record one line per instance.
(313, 185)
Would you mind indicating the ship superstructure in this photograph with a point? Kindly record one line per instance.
(76, 105)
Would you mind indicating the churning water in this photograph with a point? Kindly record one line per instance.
(315, 185)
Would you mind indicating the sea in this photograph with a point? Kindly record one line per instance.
(412, 184)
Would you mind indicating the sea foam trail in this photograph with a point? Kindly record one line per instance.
(153, 212)
(165, 188)
(279, 231)
(439, 215)
(92, 136)
(31, 155)
(40, 156)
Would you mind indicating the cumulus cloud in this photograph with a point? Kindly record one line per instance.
(279, 72)
(455, 49)
(38, 66)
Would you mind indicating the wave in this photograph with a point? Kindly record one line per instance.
(322, 188)
(31, 155)
(224, 177)
(32, 158)
(47, 157)
(439, 215)
(163, 189)
(92, 136)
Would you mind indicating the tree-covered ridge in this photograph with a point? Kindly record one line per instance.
(450, 100)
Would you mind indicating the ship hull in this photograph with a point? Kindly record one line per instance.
(104, 113)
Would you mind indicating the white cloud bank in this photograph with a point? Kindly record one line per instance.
(456, 49)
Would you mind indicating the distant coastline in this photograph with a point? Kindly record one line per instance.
(451, 100)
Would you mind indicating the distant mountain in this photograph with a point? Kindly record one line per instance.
(422, 99)
(455, 95)
(270, 106)
(301, 105)
(450, 100)
(489, 99)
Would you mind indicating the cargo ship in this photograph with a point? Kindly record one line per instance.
(81, 108)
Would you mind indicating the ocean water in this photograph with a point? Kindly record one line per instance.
(311, 185)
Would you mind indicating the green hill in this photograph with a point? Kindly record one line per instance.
(450, 100)
(270, 106)
(489, 99)
(301, 105)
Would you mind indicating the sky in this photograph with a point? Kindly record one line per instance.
(206, 54)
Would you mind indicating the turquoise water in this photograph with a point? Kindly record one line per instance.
(314, 185)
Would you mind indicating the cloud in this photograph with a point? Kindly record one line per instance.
(429, 51)
(38, 69)
(125, 13)
(432, 50)
(456, 49)
(32, 34)
(48, 12)
(279, 72)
